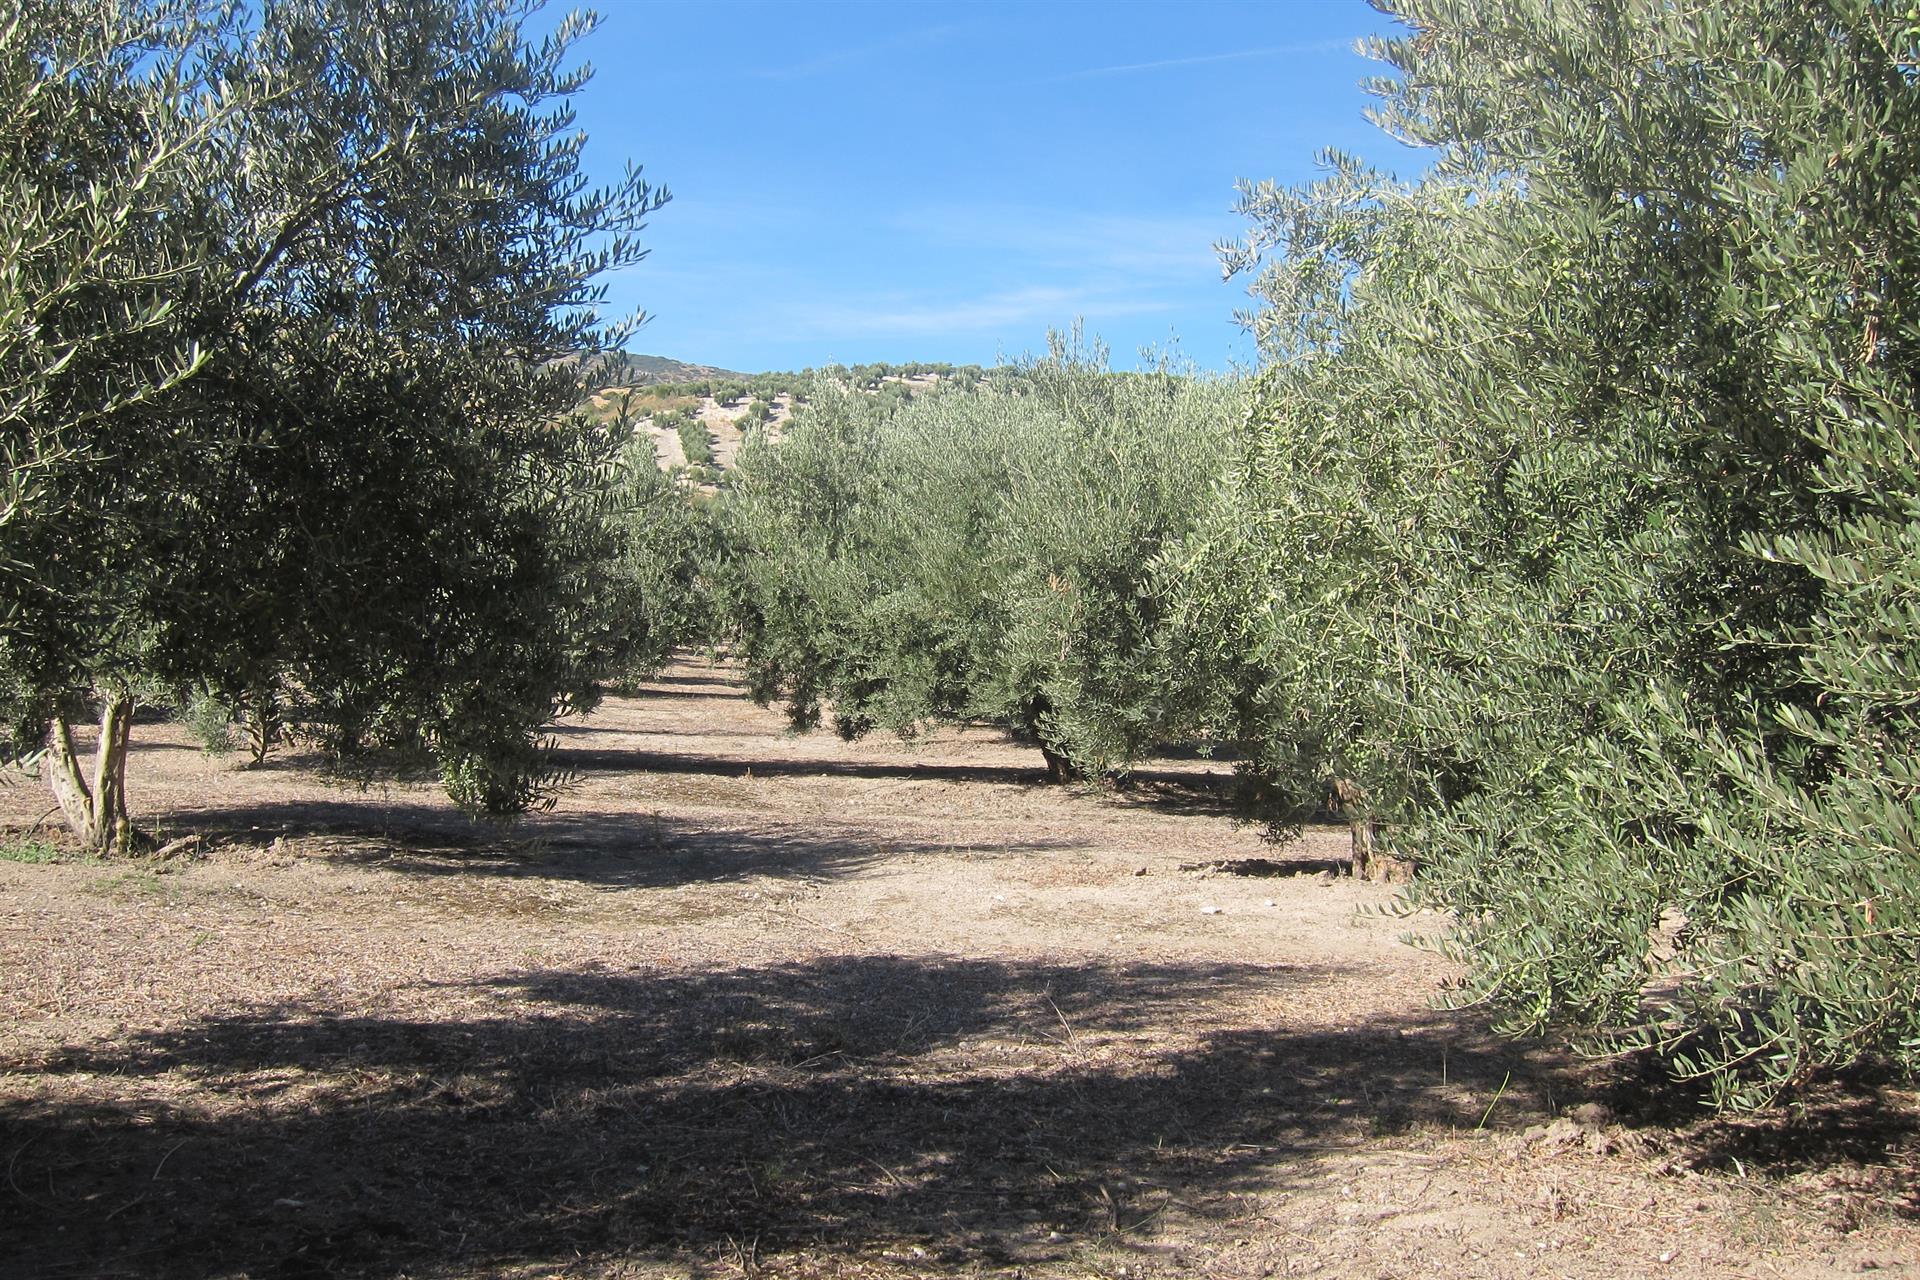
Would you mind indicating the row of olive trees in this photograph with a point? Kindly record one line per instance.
(288, 305)
(765, 386)
(1575, 536)
(980, 551)
(1569, 543)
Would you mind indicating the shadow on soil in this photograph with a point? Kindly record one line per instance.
(590, 760)
(1836, 1122)
(422, 832)
(994, 1114)
(609, 850)
(1145, 788)
(719, 683)
(1261, 868)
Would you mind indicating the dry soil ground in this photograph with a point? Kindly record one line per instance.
(752, 1004)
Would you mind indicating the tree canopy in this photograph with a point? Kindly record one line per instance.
(1570, 536)
(298, 379)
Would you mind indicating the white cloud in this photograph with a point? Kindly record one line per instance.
(943, 274)
(992, 312)
(1272, 51)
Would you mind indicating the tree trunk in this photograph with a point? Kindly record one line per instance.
(1370, 861)
(1059, 767)
(263, 725)
(69, 787)
(1365, 859)
(96, 811)
(1033, 728)
(1368, 864)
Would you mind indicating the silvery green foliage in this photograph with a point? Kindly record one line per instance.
(979, 551)
(328, 457)
(659, 596)
(696, 442)
(1576, 519)
(105, 135)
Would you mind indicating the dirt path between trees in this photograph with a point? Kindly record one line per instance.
(749, 1004)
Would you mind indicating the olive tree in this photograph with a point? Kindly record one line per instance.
(1567, 532)
(372, 507)
(658, 594)
(105, 143)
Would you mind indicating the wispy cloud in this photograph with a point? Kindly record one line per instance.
(852, 55)
(1157, 247)
(1237, 55)
(992, 312)
(938, 276)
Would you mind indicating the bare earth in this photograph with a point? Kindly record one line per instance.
(752, 1004)
(723, 428)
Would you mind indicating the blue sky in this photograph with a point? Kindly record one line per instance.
(898, 181)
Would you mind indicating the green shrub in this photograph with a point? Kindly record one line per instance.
(656, 594)
(209, 722)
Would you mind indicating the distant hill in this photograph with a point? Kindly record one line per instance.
(699, 416)
(640, 371)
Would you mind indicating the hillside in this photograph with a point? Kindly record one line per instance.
(698, 416)
(641, 370)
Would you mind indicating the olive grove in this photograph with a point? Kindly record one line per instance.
(979, 551)
(1567, 540)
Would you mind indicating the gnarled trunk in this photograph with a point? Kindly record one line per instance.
(1032, 727)
(263, 724)
(1366, 859)
(96, 809)
(1370, 861)
(1059, 767)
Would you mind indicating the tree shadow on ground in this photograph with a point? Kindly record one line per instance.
(610, 850)
(1178, 791)
(994, 1114)
(592, 760)
(1165, 790)
(1261, 868)
(1846, 1121)
(720, 684)
(566, 730)
(612, 846)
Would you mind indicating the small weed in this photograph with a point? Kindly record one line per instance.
(1501, 1093)
(29, 849)
(135, 886)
